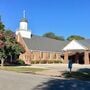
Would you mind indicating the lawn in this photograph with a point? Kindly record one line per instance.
(78, 75)
(21, 69)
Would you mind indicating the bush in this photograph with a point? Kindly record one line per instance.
(56, 61)
(50, 61)
(32, 62)
(20, 62)
(60, 61)
(43, 61)
(37, 61)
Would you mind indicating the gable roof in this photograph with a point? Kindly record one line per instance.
(75, 45)
(85, 42)
(44, 44)
(39, 43)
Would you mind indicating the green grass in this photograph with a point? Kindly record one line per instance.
(78, 75)
(21, 69)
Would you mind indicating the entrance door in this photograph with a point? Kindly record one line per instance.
(77, 58)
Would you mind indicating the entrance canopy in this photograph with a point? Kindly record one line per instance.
(74, 45)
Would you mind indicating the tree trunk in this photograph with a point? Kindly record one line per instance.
(11, 58)
(2, 62)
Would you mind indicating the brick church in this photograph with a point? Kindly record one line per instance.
(38, 48)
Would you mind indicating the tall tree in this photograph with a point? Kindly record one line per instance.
(2, 43)
(9, 47)
(76, 37)
(53, 36)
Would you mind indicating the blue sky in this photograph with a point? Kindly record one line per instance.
(63, 17)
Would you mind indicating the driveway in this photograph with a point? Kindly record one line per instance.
(20, 81)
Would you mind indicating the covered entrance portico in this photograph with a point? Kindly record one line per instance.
(77, 52)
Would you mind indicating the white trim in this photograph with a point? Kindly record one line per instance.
(74, 45)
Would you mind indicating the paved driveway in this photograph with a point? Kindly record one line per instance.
(19, 81)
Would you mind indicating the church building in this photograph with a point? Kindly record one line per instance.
(38, 48)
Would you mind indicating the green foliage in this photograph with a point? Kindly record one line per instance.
(32, 62)
(78, 75)
(2, 27)
(45, 61)
(76, 37)
(2, 53)
(53, 36)
(20, 62)
(50, 61)
(9, 47)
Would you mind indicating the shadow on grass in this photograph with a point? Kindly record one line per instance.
(78, 80)
(62, 84)
(82, 74)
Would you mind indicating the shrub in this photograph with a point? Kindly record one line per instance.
(32, 62)
(37, 61)
(43, 61)
(60, 61)
(56, 61)
(20, 62)
(50, 61)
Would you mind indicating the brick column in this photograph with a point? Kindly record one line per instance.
(65, 57)
(77, 58)
(86, 57)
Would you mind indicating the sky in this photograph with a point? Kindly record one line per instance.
(62, 17)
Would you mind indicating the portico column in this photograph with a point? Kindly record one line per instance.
(77, 58)
(66, 57)
(86, 57)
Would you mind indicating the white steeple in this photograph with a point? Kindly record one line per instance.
(24, 22)
(23, 28)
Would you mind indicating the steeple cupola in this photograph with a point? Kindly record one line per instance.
(23, 27)
(24, 22)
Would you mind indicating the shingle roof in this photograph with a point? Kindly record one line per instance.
(45, 44)
(85, 42)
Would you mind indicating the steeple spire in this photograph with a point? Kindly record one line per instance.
(24, 13)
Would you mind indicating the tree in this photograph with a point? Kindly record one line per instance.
(76, 37)
(2, 26)
(2, 43)
(2, 56)
(53, 36)
(13, 48)
(9, 47)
